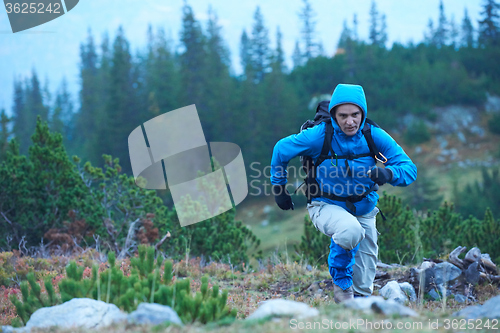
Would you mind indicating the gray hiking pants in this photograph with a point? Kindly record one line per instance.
(347, 231)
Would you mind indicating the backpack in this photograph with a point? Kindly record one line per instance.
(312, 189)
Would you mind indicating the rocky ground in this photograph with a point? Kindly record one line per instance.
(427, 297)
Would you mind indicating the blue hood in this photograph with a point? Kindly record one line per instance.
(352, 94)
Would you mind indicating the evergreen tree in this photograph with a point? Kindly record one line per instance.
(60, 120)
(219, 89)
(430, 34)
(88, 119)
(160, 89)
(489, 26)
(308, 31)
(20, 116)
(260, 53)
(345, 36)
(4, 134)
(354, 34)
(28, 104)
(454, 33)
(442, 30)
(120, 116)
(378, 27)
(245, 51)
(374, 33)
(383, 31)
(467, 33)
(424, 192)
(278, 63)
(297, 55)
(193, 63)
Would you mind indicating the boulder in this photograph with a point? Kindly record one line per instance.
(490, 309)
(282, 307)
(460, 298)
(408, 289)
(379, 305)
(83, 312)
(392, 291)
(446, 272)
(155, 314)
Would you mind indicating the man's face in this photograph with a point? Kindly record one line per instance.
(349, 117)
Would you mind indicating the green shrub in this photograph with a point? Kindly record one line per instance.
(144, 284)
(314, 246)
(417, 133)
(494, 124)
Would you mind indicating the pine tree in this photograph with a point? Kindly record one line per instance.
(245, 51)
(454, 33)
(430, 34)
(120, 116)
(60, 120)
(193, 63)
(88, 119)
(160, 85)
(260, 53)
(378, 27)
(308, 31)
(278, 63)
(345, 36)
(28, 104)
(467, 33)
(220, 88)
(297, 55)
(354, 34)
(4, 134)
(489, 26)
(383, 31)
(442, 30)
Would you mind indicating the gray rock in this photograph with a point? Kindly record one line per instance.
(472, 273)
(282, 307)
(378, 305)
(434, 295)
(155, 314)
(408, 289)
(460, 298)
(392, 291)
(446, 272)
(10, 329)
(84, 312)
(492, 104)
(490, 309)
(461, 137)
(267, 209)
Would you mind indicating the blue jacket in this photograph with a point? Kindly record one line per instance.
(335, 179)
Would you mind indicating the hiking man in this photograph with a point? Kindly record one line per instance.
(344, 208)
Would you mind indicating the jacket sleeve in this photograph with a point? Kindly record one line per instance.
(403, 169)
(307, 143)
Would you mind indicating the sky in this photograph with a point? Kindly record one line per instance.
(52, 49)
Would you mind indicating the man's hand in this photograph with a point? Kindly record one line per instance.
(282, 197)
(380, 175)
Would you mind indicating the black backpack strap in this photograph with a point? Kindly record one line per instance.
(367, 132)
(327, 146)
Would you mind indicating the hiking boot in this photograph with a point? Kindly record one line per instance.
(340, 295)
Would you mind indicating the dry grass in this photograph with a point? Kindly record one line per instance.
(275, 278)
